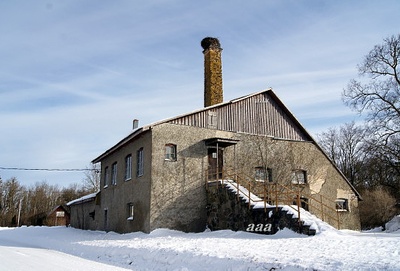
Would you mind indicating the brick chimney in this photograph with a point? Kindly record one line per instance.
(213, 92)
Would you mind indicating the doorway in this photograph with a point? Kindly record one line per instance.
(215, 163)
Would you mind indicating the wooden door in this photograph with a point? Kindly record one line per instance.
(215, 163)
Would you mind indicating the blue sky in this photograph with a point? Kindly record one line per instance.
(74, 74)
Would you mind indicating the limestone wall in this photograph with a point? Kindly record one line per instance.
(178, 197)
(116, 199)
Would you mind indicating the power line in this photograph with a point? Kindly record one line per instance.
(47, 169)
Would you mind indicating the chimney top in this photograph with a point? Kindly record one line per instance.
(210, 43)
(213, 93)
(135, 124)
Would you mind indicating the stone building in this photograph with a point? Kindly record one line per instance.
(157, 176)
(83, 212)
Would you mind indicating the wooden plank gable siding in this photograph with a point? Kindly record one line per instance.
(260, 114)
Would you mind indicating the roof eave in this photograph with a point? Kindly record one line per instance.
(125, 140)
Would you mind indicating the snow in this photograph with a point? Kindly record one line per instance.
(258, 203)
(244, 193)
(81, 199)
(62, 248)
(393, 225)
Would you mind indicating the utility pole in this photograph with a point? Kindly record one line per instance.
(19, 212)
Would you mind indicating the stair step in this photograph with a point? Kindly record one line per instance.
(234, 213)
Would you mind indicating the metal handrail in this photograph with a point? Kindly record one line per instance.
(279, 194)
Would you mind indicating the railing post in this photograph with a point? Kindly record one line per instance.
(276, 197)
(338, 220)
(207, 177)
(237, 190)
(298, 208)
(322, 208)
(265, 197)
(249, 194)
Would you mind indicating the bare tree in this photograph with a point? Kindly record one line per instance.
(39, 199)
(329, 141)
(91, 182)
(346, 147)
(379, 95)
(12, 193)
(73, 191)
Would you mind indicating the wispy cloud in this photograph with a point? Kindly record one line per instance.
(74, 74)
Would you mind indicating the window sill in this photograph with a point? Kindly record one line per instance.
(341, 210)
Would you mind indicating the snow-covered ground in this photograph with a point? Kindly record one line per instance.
(61, 248)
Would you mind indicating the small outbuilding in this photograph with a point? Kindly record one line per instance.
(83, 211)
(59, 216)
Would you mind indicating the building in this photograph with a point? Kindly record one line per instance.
(59, 216)
(83, 212)
(157, 176)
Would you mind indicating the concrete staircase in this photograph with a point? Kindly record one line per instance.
(240, 210)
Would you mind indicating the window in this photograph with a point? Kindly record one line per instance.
(139, 165)
(212, 119)
(114, 174)
(106, 176)
(128, 167)
(92, 214)
(131, 211)
(299, 177)
(60, 214)
(342, 205)
(263, 174)
(170, 152)
(303, 202)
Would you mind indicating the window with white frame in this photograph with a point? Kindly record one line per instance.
(263, 174)
(139, 163)
(106, 177)
(170, 152)
(114, 174)
(60, 214)
(131, 211)
(128, 167)
(299, 176)
(342, 204)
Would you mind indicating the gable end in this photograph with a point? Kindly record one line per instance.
(261, 114)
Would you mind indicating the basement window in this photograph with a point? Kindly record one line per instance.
(263, 174)
(303, 202)
(299, 176)
(342, 205)
(170, 152)
(131, 210)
